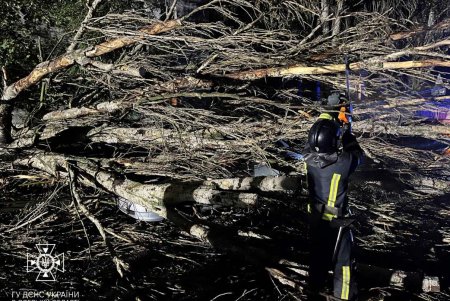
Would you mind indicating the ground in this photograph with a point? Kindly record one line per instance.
(398, 227)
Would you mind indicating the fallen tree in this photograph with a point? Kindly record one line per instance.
(181, 111)
(71, 58)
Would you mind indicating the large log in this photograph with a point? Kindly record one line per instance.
(160, 137)
(155, 197)
(331, 69)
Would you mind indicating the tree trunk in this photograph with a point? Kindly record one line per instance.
(337, 22)
(325, 11)
(155, 197)
(331, 69)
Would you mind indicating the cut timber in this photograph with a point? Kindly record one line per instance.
(69, 59)
(284, 279)
(369, 276)
(330, 69)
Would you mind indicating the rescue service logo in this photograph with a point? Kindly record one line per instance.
(46, 263)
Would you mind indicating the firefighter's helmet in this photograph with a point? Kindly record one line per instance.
(323, 136)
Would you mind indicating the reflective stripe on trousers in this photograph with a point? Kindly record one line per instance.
(345, 282)
(334, 186)
(345, 286)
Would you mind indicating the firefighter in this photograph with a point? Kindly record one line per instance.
(329, 161)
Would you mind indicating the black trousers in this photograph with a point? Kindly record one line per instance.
(323, 241)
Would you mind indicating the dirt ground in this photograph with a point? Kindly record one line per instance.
(397, 228)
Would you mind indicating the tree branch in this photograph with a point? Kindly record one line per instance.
(69, 59)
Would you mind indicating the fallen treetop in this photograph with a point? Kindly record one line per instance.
(67, 60)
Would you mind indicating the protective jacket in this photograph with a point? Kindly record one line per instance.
(331, 246)
(328, 177)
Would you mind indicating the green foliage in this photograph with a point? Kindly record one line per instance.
(25, 22)
(28, 25)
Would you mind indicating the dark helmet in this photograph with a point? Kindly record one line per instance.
(323, 136)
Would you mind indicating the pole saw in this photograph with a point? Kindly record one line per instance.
(347, 84)
(347, 125)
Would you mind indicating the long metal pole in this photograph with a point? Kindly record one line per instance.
(347, 82)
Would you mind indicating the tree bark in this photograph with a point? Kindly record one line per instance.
(378, 127)
(111, 45)
(443, 25)
(139, 97)
(337, 22)
(376, 276)
(155, 197)
(264, 184)
(325, 11)
(159, 137)
(330, 69)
